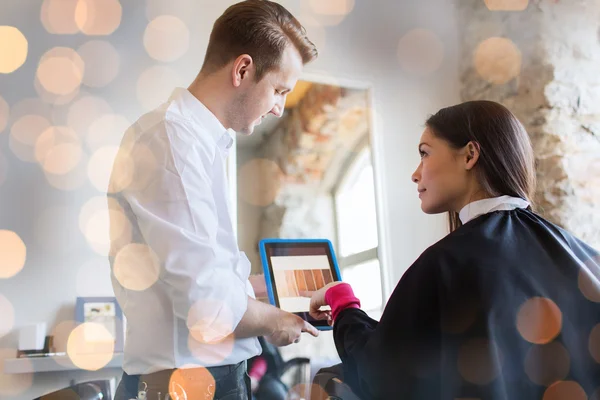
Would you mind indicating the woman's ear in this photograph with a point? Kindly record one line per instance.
(472, 152)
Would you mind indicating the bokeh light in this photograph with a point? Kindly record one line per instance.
(85, 111)
(59, 75)
(100, 220)
(4, 114)
(564, 390)
(539, 320)
(13, 254)
(120, 229)
(90, 346)
(13, 48)
(214, 353)
(58, 16)
(136, 267)
(155, 85)
(60, 337)
(102, 63)
(420, 52)
(477, 363)
(589, 282)
(594, 343)
(259, 181)
(13, 384)
(166, 38)
(107, 161)
(546, 364)
(194, 381)
(506, 5)
(58, 150)
(106, 130)
(497, 60)
(72, 180)
(7, 322)
(98, 17)
(213, 329)
(331, 12)
(24, 134)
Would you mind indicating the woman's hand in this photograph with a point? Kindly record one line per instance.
(317, 300)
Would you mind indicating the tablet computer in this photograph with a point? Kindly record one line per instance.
(295, 265)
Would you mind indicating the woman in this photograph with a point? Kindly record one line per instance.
(507, 306)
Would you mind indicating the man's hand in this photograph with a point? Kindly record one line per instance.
(317, 300)
(288, 329)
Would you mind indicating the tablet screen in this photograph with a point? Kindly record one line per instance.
(298, 267)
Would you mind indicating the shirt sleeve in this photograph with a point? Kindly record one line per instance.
(172, 196)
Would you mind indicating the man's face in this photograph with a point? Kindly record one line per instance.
(259, 99)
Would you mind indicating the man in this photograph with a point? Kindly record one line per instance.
(181, 280)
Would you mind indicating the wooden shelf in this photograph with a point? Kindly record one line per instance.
(50, 364)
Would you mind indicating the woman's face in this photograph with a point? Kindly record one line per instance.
(443, 176)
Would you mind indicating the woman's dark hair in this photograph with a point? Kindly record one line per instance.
(506, 164)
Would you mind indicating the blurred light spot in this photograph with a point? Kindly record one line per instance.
(564, 390)
(506, 5)
(260, 181)
(166, 38)
(13, 254)
(476, 361)
(72, 180)
(85, 111)
(90, 274)
(155, 85)
(54, 230)
(58, 16)
(136, 267)
(7, 322)
(24, 134)
(58, 150)
(102, 63)
(120, 230)
(98, 17)
(331, 12)
(539, 320)
(214, 329)
(13, 384)
(107, 161)
(100, 220)
(195, 383)
(497, 60)
(106, 130)
(420, 52)
(90, 346)
(589, 282)
(213, 353)
(13, 48)
(180, 8)
(3, 168)
(60, 337)
(60, 71)
(594, 343)
(546, 364)
(4, 112)
(145, 172)
(332, 7)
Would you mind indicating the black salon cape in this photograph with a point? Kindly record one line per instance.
(455, 325)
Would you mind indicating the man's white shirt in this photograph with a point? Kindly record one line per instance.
(169, 184)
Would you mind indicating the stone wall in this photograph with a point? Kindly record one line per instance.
(544, 64)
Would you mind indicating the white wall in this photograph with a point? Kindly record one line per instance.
(363, 47)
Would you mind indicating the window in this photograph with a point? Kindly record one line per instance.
(356, 231)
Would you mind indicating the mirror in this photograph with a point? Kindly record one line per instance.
(309, 174)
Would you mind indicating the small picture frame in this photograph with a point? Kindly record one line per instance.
(104, 311)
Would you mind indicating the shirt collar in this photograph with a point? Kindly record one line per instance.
(480, 207)
(197, 111)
